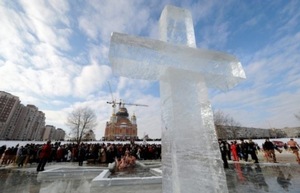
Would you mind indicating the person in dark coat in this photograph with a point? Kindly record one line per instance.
(228, 150)
(252, 150)
(223, 149)
(44, 155)
(81, 154)
(244, 149)
(269, 148)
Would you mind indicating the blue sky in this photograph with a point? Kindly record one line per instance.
(54, 54)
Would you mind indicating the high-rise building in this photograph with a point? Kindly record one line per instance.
(59, 134)
(32, 121)
(19, 122)
(49, 132)
(9, 110)
(39, 126)
(120, 127)
(40, 134)
(29, 123)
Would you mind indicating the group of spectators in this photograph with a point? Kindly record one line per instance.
(102, 153)
(93, 153)
(240, 151)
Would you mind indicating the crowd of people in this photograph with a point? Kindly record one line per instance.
(124, 155)
(240, 151)
(98, 153)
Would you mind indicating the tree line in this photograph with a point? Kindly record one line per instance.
(83, 119)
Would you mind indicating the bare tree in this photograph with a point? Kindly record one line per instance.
(223, 121)
(81, 121)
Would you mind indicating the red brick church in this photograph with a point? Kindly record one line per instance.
(120, 127)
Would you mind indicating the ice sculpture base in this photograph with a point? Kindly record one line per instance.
(105, 183)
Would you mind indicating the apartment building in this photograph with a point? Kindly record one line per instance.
(20, 122)
(9, 110)
(59, 134)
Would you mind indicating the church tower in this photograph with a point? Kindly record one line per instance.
(119, 127)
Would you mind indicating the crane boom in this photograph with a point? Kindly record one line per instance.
(113, 101)
(122, 103)
(135, 104)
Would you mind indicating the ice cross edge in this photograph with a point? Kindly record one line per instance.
(145, 58)
(184, 73)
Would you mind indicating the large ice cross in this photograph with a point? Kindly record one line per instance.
(191, 160)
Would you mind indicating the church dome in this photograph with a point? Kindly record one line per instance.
(122, 112)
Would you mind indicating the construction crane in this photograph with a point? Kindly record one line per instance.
(113, 101)
(114, 117)
(122, 104)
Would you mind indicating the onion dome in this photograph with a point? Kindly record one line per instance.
(122, 112)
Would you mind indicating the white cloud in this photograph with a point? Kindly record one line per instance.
(99, 20)
(215, 36)
(289, 17)
(40, 64)
(98, 53)
(271, 89)
(11, 44)
(91, 78)
(148, 118)
(48, 24)
(10, 76)
(56, 118)
(217, 32)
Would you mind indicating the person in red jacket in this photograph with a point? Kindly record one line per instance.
(233, 148)
(44, 155)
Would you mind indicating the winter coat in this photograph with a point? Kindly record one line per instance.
(45, 151)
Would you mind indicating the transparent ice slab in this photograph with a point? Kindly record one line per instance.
(191, 160)
(143, 58)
